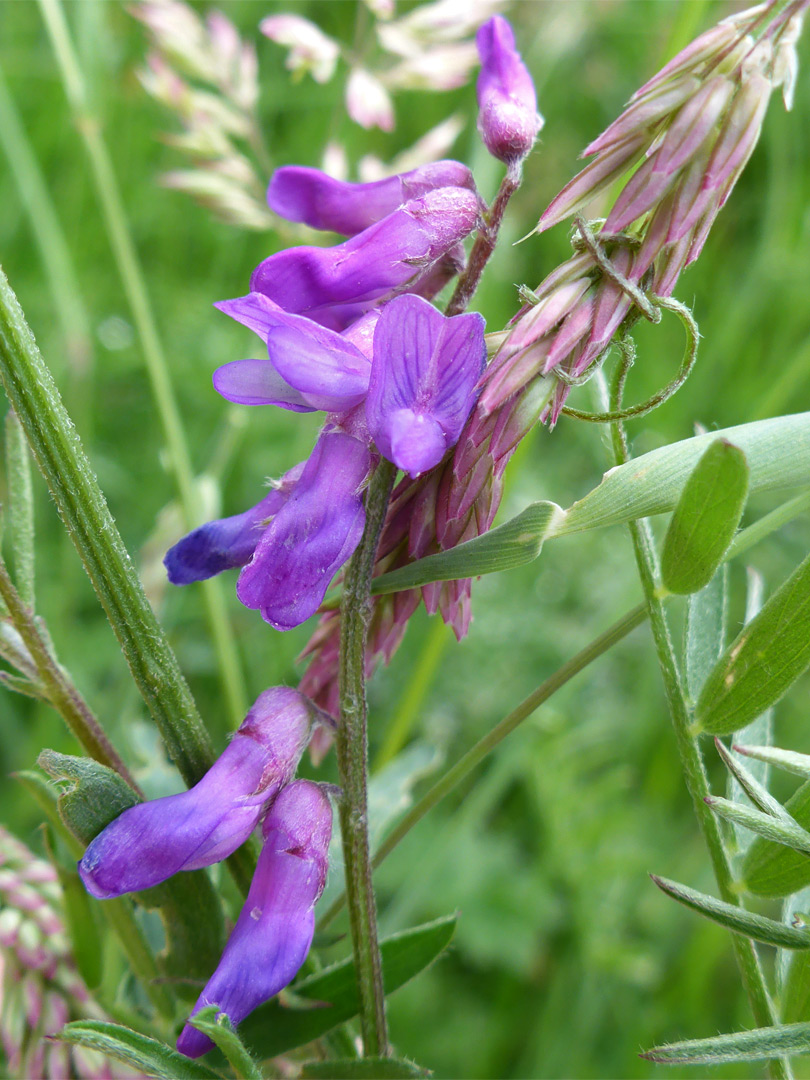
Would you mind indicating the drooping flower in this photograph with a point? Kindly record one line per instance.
(508, 120)
(153, 840)
(334, 286)
(314, 198)
(312, 536)
(274, 930)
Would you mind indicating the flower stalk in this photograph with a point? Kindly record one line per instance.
(352, 758)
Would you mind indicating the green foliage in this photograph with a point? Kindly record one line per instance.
(136, 1050)
(332, 994)
(705, 519)
(756, 1045)
(767, 657)
(362, 1069)
(736, 918)
(216, 1025)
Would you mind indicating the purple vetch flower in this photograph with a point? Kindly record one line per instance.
(508, 120)
(312, 536)
(418, 384)
(274, 930)
(309, 367)
(153, 840)
(314, 198)
(228, 542)
(423, 378)
(334, 286)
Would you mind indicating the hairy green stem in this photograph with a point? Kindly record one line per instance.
(60, 691)
(132, 279)
(352, 759)
(688, 748)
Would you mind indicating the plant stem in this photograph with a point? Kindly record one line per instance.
(58, 688)
(352, 758)
(132, 279)
(476, 754)
(484, 244)
(688, 748)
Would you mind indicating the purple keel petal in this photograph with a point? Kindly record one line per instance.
(150, 842)
(274, 930)
(423, 380)
(311, 538)
(316, 199)
(226, 543)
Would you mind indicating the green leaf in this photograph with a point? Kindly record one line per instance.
(374, 1068)
(768, 656)
(705, 631)
(516, 542)
(219, 1029)
(778, 456)
(188, 903)
(777, 452)
(756, 1045)
(736, 918)
(705, 519)
(272, 1030)
(748, 783)
(780, 830)
(770, 869)
(140, 1052)
(789, 760)
(20, 511)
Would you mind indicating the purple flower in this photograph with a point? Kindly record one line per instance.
(221, 545)
(274, 930)
(312, 536)
(508, 120)
(423, 377)
(309, 366)
(313, 197)
(153, 840)
(334, 286)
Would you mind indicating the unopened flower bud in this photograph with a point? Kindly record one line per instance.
(507, 119)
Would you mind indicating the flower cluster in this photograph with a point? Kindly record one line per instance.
(348, 331)
(250, 783)
(694, 125)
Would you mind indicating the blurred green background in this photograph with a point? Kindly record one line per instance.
(567, 961)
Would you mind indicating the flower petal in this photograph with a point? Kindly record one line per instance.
(256, 382)
(313, 197)
(274, 930)
(313, 535)
(425, 365)
(228, 542)
(333, 286)
(151, 841)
